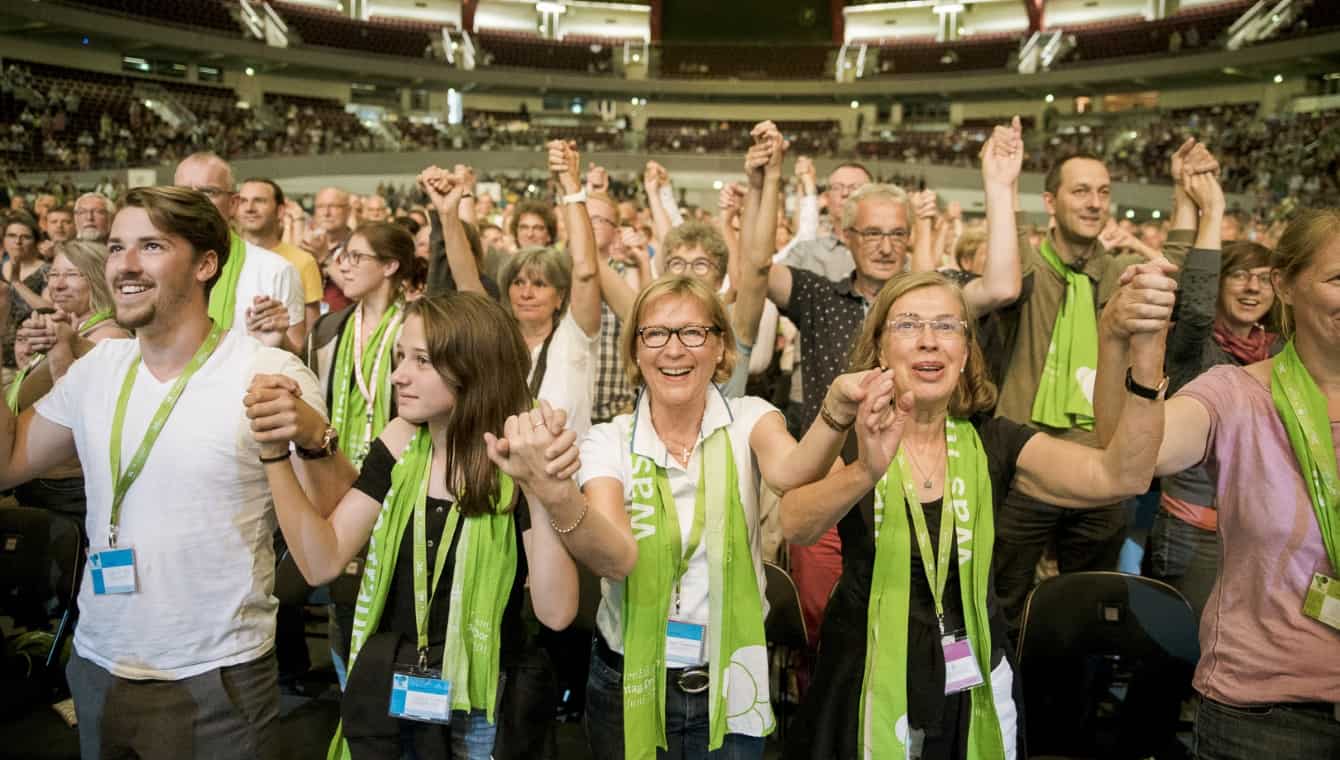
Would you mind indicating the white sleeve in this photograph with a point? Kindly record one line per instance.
(667, 195)
(288, 291)
(274, 361)
(602, 454)
(807, 218)
(61, 405)
(765, 341)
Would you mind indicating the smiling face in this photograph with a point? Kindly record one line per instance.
(1082, 201)
(153, 274)
(1245, 296)
(257, 209)
(67, 287)
(676, 374)
(1314, 294)
(422, 393)
(925, 359)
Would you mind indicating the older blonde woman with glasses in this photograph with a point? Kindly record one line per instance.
(667, 515)
(49, 342)
(912, 657)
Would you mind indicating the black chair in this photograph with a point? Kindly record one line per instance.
(787, 639)
(41, 561)
(1105, 659)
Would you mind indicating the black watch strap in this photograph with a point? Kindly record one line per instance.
(1144, 391)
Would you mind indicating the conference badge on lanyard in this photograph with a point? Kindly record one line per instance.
(420, 694)
(1323, 600)
(113, 570)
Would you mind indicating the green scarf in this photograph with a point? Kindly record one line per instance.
(349, 413)
(738, 697)
(1302, 409)
(12, 392)
(1065, 389)
(883, 720)
(481, 583)
(223, 296)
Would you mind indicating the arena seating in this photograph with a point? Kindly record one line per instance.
(210, 14)
(524, 50)
(331, 28)
(717, 136)
(923, 55)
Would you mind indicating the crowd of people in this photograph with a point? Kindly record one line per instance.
(432, 389)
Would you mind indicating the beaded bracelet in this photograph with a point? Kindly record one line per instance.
(565, 531)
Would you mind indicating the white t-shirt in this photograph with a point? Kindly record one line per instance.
(569, 373)
(266, 273)
(199, 517)
(607, 453)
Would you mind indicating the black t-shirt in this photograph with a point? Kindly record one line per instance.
(398, 614)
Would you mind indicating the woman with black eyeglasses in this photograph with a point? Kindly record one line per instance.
(667, 516)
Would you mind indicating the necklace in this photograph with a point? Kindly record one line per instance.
(927, 483)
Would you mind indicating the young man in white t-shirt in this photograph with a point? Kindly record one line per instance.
(173, 653)
(269, 302)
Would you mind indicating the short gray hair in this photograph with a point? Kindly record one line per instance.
(107, 202)
(877, 192)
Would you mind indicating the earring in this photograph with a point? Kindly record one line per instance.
(963, 369)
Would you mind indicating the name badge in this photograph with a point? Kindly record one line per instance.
(421, 695)
(961, 671)
(685, 644)
(113, 570)
(1323, 600)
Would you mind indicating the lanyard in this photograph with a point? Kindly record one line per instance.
(366, 388)
(423, 595)
(937, 570)
(699, 520)
(121, 481)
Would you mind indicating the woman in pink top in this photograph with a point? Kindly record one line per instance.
(1269, 673)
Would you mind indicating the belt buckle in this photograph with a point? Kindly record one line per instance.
(693, 680)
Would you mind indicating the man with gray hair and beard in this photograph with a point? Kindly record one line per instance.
(93, 214)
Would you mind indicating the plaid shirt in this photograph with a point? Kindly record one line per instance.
(612, 394)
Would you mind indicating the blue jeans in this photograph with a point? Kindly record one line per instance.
(472, 735)
(1277, 732)
(686, 720)
(1184, 556)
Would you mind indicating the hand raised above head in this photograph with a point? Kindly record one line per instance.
(1144, 302)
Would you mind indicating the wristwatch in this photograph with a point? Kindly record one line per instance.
(1143, 391)
(577, 197)
(330, 443)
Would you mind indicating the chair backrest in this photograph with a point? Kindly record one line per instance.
(41, 559)
(786, 623)
(1105, 659)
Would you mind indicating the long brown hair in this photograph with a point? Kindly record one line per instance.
(975, 392)
(478, 349)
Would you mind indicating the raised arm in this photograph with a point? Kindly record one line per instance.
(729, 212)
(809, 511)
(593, 525)
(777, 278)
(1073, 475)
(325, 521)
(786, 464)
(445, 190)
(807, 209)
(924, 209)
(1200, 279)
(1002, 279)
(757, 229)
(584, 301)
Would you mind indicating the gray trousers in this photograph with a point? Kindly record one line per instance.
(230, 712)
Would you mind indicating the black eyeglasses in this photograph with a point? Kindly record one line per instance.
(691, 336)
